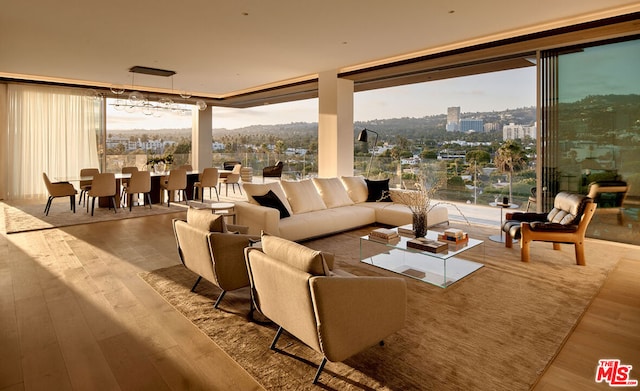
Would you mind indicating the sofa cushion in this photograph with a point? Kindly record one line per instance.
(303, 196)
(378, 191)
(332, 192)
(261, 189)
(295, 255)
(204, 220)
(271, 200)
(356, 188)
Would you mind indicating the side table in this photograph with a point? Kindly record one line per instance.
(500, 237)
(226, 209)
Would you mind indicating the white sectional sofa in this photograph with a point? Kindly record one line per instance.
(299, 210)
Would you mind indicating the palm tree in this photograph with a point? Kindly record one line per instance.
(509, 158)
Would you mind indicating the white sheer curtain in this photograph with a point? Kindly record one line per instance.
(50, 129)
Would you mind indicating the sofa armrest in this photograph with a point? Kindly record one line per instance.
(258, 218)
(354, 313)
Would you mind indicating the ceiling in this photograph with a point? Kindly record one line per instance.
(225, 49)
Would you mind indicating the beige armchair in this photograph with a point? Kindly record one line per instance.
(333, 312)
(59, 189)
(209, 249)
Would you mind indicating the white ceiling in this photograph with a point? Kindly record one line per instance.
(220, 48)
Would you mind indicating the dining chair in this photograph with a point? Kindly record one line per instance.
(59, 189)
(85, 185)
(177, 180)
(125, 181)
(140, 183)
(232, 179)
(103, 185)
(209, 178)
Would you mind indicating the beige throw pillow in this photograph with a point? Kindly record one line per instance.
(303, 196)
(204, 220)
(356, 188)
(295, 255)
(332, 192)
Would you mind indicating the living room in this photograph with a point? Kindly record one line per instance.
(80, 317)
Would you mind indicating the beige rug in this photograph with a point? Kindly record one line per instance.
(497, 329)
(21, 218)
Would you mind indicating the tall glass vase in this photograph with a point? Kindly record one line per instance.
(420, 224)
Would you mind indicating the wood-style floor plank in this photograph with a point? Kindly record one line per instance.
(75, 315)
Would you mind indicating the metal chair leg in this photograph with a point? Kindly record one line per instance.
(219, 299)
(320, 368)
(275, 339)
(193, 288)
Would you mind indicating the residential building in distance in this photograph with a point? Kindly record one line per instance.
(518, 132)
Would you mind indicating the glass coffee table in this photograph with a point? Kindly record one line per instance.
(440, 269)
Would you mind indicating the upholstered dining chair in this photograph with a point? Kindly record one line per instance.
(177, 181)
(125, 181)
(140, 183)
(209, 178)
(59, 189)
(85, 185)
(232, 179)
(103, 185)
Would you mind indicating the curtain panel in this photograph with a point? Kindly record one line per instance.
(50, 129)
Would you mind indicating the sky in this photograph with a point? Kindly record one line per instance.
(495, 91)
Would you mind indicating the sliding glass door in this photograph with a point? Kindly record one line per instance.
(591, 130)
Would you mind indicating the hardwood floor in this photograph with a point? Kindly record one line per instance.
(75, 315)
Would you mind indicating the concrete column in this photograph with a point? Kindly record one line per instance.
(201, 133)
(4, 142)
(335, 125)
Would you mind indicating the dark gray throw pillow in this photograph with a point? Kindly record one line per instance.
(271, 200)
(378, 189)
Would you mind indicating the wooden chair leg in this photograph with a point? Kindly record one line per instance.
(556, 246)
(524, 250)
(580, 254)
(508, 240)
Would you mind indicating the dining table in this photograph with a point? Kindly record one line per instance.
(157, 195)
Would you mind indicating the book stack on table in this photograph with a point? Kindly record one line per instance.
(384, 235)
(454, 235)
(430, 245)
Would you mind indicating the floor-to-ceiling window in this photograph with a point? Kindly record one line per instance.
(591, 133)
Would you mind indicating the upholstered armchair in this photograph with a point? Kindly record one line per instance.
(213, 250)
(274, 171)
(610, 196)
(566, 223)
(333, 312)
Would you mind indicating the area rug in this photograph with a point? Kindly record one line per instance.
(496, 329)
(21, 218)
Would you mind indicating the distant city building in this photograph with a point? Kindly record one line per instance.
(217, 146)
(453, 119)
(447, 154)
(467, 125)
(153, 146)
(518, 132)
(491, 126)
